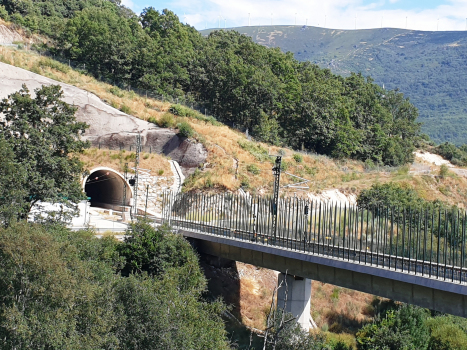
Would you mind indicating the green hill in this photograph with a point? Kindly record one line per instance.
(428, 67)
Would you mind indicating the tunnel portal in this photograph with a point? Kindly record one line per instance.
(104, 187)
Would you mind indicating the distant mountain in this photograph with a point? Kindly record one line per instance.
(428, 67)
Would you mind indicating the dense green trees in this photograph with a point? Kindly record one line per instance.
(279, 99)
(39, 137)
(413, 328)
(63, 290)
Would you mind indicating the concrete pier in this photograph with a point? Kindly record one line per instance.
(295, 294)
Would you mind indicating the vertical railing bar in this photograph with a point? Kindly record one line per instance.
(432, 233)
(386, 237)
(296, 222)
(409, 240)
(404, 224)
(290, 222)
(334, 230)
(319, 227)
(424, 241)
(446, 226)
(362, 211)
(439, 243)
(463, 246)
(343, 238)
(366, 234)
(397, 238)
(391, 236)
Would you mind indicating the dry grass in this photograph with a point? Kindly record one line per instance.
(224, 150)
(256, 287)
(156, 163)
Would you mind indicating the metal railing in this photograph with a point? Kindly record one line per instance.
(429, 242)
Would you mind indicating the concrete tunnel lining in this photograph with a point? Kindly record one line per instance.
(105, 188)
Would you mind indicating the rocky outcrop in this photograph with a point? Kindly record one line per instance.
(8, 36)
(109, 127)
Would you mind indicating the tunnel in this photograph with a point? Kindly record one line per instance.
(104, 187)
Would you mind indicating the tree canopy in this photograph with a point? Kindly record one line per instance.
(279, 99)
(40, 141)
(63, 290)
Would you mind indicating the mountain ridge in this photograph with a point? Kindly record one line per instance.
(427, 66)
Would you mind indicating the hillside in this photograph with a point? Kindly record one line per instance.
(428, 67)
(337, 180)
(234, 161)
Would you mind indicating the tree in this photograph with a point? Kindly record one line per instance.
(403, 329)
(44, 138)
(155, 251)
(13, 178)
(54, 294)
(61, 289)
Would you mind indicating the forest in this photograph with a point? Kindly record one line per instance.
(277, 98)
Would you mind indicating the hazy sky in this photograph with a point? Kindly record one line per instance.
(341, 14)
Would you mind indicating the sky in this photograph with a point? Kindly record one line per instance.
(339, 14)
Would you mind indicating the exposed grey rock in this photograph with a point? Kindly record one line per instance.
(109, 127)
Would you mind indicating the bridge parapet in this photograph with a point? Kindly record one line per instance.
(411, 255)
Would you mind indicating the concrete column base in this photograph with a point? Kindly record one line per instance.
(298, 298)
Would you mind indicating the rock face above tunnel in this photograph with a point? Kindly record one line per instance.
(109, 127)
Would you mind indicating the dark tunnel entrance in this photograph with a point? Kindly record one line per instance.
(104, 187)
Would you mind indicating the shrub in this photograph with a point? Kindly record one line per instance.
(443, 170)
(244, 181)
(160, 172)
(116, 91)
(125, 109)
(183, 111)
(178, 110)
(185, 129)
(388, 194)
(167, 121)
(298, 157)
(253, 168)
(47, 62)
(153, 120)
(4, 13)
(256, 150)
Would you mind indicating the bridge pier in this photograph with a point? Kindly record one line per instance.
(297, 300)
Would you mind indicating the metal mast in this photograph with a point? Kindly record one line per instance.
(275, 204)
(125, 176)
(138, 150)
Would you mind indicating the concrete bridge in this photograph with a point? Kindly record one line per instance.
(412, 256)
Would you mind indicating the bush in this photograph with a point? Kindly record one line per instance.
(255, 149)
(125, 109)
(185, 129)
(404, 328)
(183, 111)
(389, 195)
(4, 13)
(298, 157)
(443, 170)
(153, 120)
(47, 62)
(167, 121)
(253, 168)
(244, 181)
(116, 91)
(446, 335)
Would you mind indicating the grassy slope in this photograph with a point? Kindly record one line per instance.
(338, 310)
(428, 67)
(224, 147)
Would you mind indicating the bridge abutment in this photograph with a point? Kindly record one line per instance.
(294, 296)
